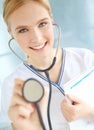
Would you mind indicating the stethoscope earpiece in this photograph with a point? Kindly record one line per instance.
(32, 90)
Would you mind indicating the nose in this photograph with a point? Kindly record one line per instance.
(36, 36)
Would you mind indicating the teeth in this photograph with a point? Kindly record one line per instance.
(38, 47)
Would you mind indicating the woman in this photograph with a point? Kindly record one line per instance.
(30, 24)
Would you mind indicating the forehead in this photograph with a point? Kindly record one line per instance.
(32, 11)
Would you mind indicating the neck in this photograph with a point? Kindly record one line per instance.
(41, 63)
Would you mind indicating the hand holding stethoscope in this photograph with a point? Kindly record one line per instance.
(23, 114)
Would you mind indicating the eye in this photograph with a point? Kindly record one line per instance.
(42, 24)
(23, 30)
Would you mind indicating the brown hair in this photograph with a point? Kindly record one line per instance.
(9, 6)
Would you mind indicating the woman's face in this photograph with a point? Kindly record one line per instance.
(32, 28)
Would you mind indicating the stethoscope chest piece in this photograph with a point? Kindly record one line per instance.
(32, 90)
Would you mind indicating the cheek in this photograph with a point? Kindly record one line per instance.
(21, 42)
(50, 34)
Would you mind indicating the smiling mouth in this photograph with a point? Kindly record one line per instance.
(39, 47)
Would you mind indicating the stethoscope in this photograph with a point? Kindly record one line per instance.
(33, 90)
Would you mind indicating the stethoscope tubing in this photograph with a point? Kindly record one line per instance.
(49, 81)
(49, 96)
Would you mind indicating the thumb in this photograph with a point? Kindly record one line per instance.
(74, 99)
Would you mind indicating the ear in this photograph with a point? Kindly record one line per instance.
(9, 31)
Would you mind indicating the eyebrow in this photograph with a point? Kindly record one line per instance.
(23, 26)
(20, 27)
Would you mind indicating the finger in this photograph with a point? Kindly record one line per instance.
(66, 106)
(18, 84)
(18, 81)
(17, 112)
(67, 111)
(18, 100)
(74, 99)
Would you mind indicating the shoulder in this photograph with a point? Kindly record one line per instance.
(80, 51)
(18, 72)
(77, 60)
(79, 56)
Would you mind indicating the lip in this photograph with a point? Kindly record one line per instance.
(40, 47)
